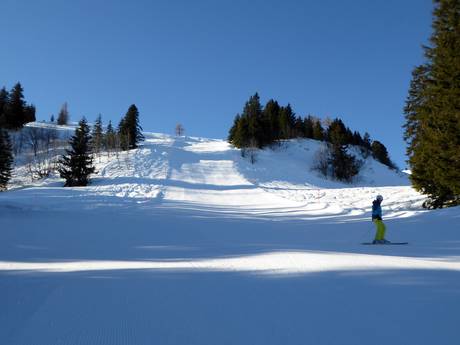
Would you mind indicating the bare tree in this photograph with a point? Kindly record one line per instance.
(63, 117)
(179, 130)
(250, 151)
(321, 160)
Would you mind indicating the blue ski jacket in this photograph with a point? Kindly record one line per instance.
(376, 210)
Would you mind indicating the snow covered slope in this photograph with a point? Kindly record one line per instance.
(183, 241)
(210, 174)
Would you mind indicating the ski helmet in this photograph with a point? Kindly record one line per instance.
(379, 198)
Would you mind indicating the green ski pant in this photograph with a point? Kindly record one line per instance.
(380, 234)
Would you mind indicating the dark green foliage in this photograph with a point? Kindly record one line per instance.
(251, 129)
(308, 124)
(287, 122)
(337, 133)
(380, 153)
(129, 130)
(4, 99)
(77, 165)
(318, 130)
(97, 135)
(299, 131)
(110, 138)
(344, 166)
(271, 113)
(432, 111)
(6, 159)
(14, 111)
(257, 128)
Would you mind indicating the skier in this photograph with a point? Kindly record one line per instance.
(377, 219)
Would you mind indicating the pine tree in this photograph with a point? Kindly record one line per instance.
(337, 133)
(29, 113)
(318, 130)
(251, 129)
(433, 111)
(123, 135)
(63, 116)
(232, 133)
(380, 153)
(367, 141)
(4, 100)
(287, 122)
(97, 135)
(344, 165)
(15, 111)
(271, 114)
(357, 140)
(110, 138)
(256, 126)
(308, 124)
(129, 130)
(77, 165)
(298, 131)
(6, 159)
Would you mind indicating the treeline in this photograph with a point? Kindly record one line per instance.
(257, 127)
(45, 152)
(432, 128)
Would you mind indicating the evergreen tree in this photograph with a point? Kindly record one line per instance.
(123, 135)
(272, 113)
(110, 139)
(299, 131)
(15, 111)
(233, 132)
(367, 141)
(252, 127)
(344, 165)
(63, 116)
(52, 119)
(357, 140)
(29, 113)
(308, 124)
(6, 159)
(129, 130)
(256, 125)
(380, 153)
(337, 133)
(97, 135)
(77, 165)
(287, 122)
(433, 111)
(318, 130)
(4, 100)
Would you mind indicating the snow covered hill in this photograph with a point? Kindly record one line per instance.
(183, 241)
(207, 173)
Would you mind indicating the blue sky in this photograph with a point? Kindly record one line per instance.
(197, 62)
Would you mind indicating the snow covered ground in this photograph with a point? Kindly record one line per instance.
(184, 242)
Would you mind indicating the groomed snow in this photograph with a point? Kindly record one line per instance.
(183, 241)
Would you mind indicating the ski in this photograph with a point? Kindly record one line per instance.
(385, 244)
